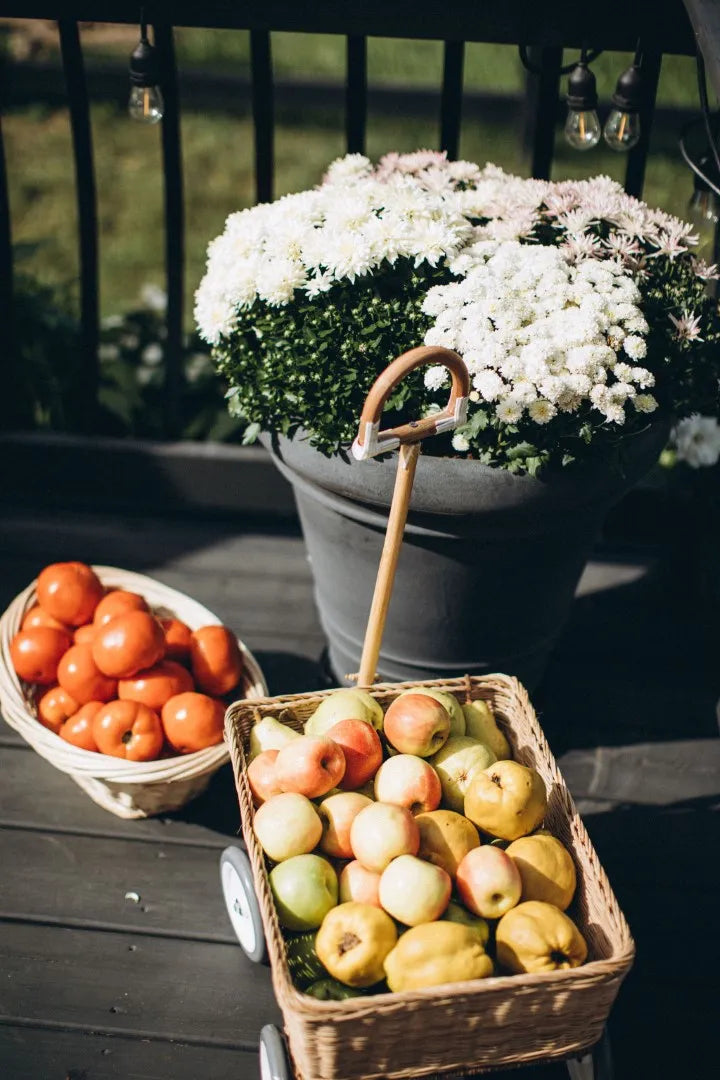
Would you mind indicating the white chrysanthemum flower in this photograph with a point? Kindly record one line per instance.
(489, 384)
(460, 442)
(635, 347)
(645, 403)
(697, 440)
(436, 376)
(509, 410)
(542, 411)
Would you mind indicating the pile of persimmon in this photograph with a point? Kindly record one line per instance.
(112, 677)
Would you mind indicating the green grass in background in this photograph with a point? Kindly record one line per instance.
(218, 154)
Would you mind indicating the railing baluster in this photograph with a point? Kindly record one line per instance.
(356, 95)
(451, 102)
(6, 262)
(87, 214)
(637, 158)
(174, 230)
(541, 101)
(263, 112)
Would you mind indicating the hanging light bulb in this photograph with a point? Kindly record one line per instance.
(146, 102)
(704, 210)
(582, 127)
(622, 128)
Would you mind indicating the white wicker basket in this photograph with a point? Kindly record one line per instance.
(129, 789)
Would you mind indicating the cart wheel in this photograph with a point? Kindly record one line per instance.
(596, 1064)
(241, 902)
(274, 1064)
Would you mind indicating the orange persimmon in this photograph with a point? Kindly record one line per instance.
(54, 708)
(69, 591)
(156, 685)
(193, 721)
(217, 663)
(80, 676)
(128, 729)
(129, 643)
(118, 602)
(36, 653)
(78, 728)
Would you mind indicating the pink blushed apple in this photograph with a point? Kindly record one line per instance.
(286, 825)
(337, 813)
(414, 891)
(359, 884)
(409, 781)
(381, 832)
(488, 881)
(417, 724)
(310, 765)
(362, 748)
(262, 777)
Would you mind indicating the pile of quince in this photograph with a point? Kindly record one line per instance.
(406, 848)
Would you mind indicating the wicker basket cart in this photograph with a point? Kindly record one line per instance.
(462, 1027)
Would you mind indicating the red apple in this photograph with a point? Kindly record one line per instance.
(410, 781)
(488, 881)
(417, 724)
(362, 748)
(310, 765)
(337, 813)
(359, 884)
(262, 777)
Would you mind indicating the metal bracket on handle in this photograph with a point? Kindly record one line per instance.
(371, 441)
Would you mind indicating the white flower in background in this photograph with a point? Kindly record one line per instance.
(645, 403)
(152, 354)
(153, 297)
(697, 440)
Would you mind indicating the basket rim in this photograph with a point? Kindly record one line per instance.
(74, 760)
(304, 1005)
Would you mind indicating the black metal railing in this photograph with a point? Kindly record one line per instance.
(546, 29)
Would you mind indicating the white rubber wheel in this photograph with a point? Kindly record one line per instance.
(241, 903)
(274, 1064)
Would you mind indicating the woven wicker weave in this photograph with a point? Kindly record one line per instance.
(460, 1027)
(129, 789)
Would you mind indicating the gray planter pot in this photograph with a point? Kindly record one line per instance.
(489, 564)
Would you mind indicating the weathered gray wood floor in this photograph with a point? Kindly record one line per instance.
(94, 986)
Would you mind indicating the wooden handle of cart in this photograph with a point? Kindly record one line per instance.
(371, 441)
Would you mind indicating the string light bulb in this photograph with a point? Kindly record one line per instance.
(146, 101)
(622, 127)
(582, 127)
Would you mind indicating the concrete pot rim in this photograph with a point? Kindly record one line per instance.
(462, 488)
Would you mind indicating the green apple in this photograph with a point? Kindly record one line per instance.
(455, 912)
(480, 724)
(455, 763)
(269, 734)
(451, 703)
(304, 888)
(345, 704)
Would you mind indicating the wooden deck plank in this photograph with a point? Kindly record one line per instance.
(32, 1053)
(36, 796)
(131, 542)
(192, 992)
(92, 881)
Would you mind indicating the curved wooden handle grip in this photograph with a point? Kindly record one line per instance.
(371, 441)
